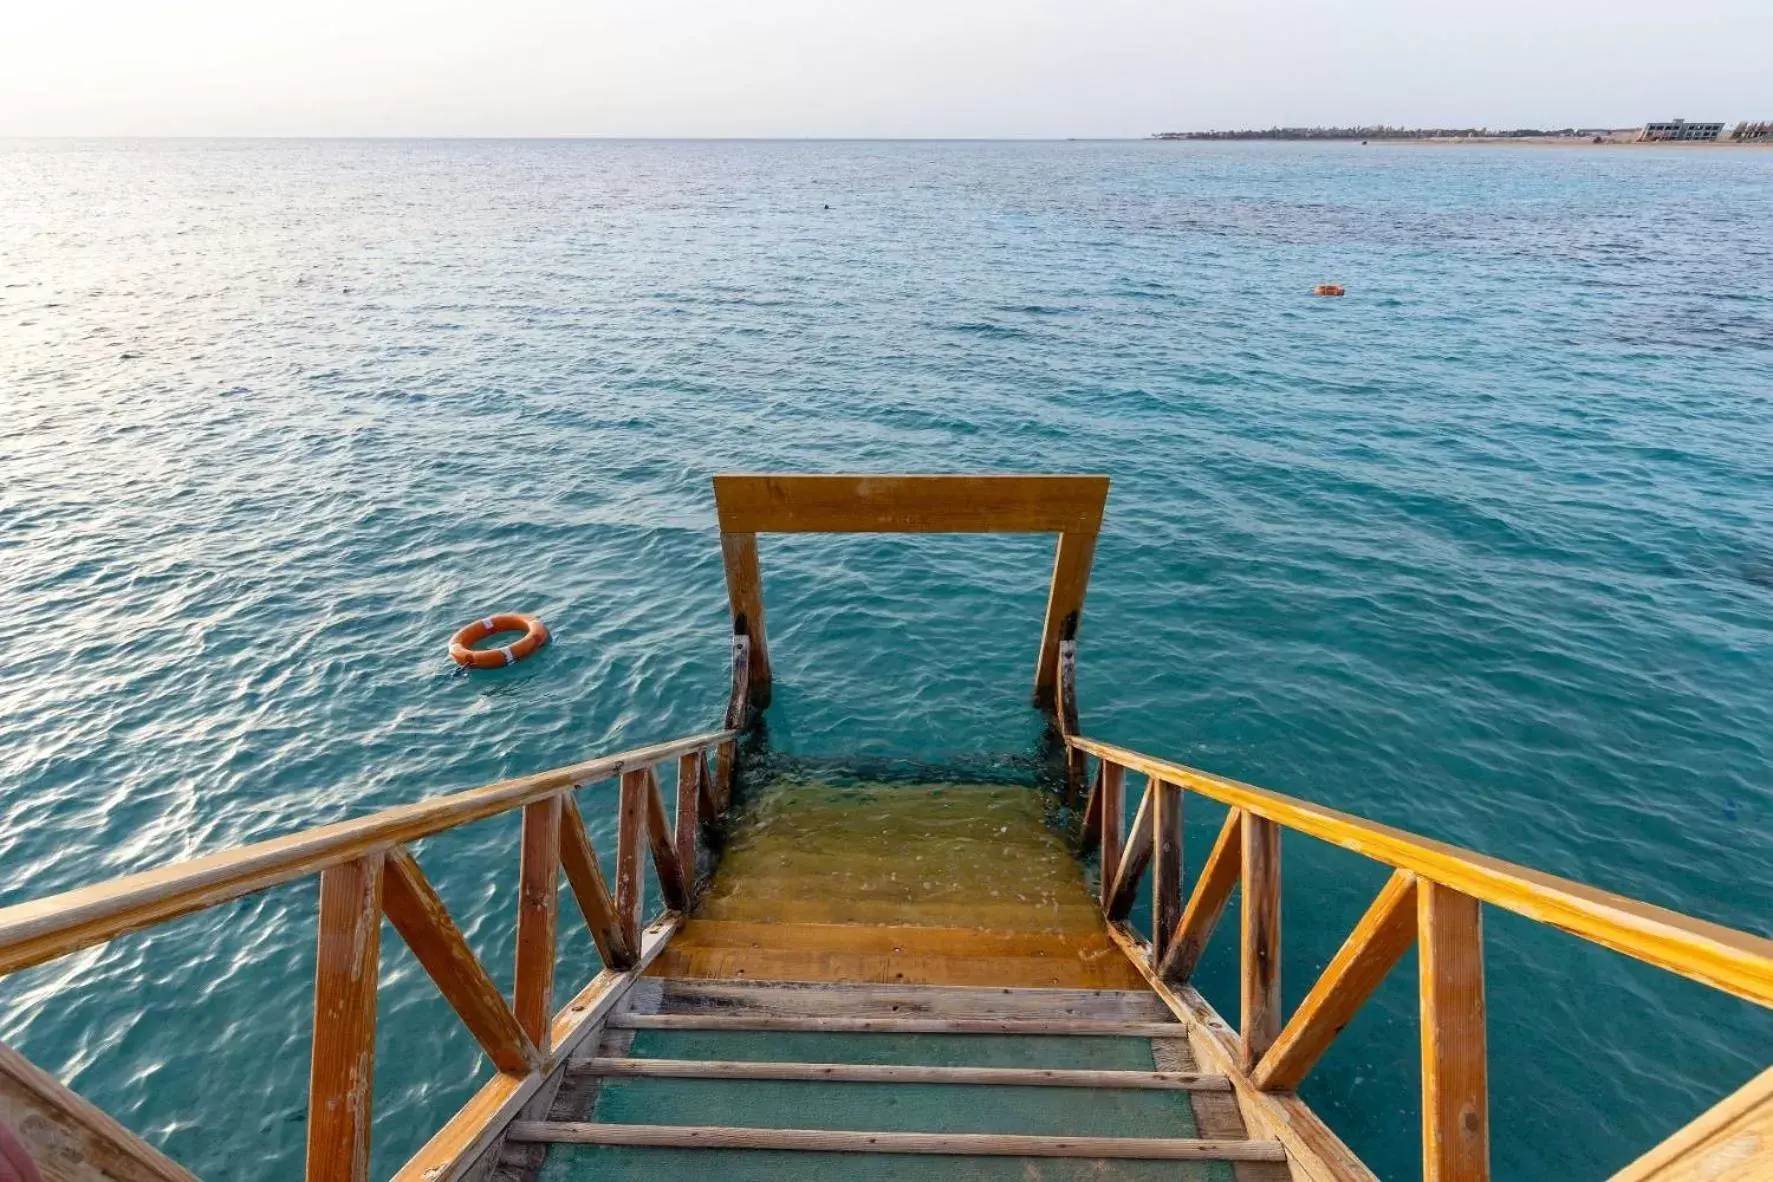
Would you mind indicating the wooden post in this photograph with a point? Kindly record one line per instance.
(538, 911)
(1065, 596)
(1455, 1099)
(1113, 826)
(1378, 941)
(726, 766)
(711, 805)
(630, 832)
(579, 861)
(1261, 1021)
(1166, 865)
(342, 1070)
(689, 793)
(744, 590)
(1135, 856)
(660, 837)
(1217, 880)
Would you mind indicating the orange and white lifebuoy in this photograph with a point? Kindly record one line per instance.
(461, 645)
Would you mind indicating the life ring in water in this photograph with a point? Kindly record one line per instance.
(1330, 289)
(461, 645)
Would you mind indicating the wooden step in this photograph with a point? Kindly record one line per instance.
(1173, 1081)
(836, 999)
(842, 1025)
(844, 1141)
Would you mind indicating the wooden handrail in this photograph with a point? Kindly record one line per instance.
(43, 929)
(1734, 961)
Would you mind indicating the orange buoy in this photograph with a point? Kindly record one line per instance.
(1331, 289)
(461, 645)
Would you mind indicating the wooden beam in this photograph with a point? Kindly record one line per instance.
(1377, 943)
(454, 1148)
(1114, 820)
(69, 1138)
(420, 917)
(1065, 597)
(919, 504)
(1173, 1081)
(1166, 867)
(1731, 1142)
(1075, 1027)
(1455, 1100)
(712, 805)
(1217, 879)
(744, 593)
(630, 832)
(955, 1144)
(1314, 1152)
(585, 877)
(41, 930)
(1134, 858)
(662, 840)
(689, 794)
(538, 918)
(738, 699)
(1090, 834)
(726, 767)
(342, 1069)
(1260, 918)
(1736, 962)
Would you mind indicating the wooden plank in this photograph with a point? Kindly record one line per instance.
(585, 877)
(1216, 1116)
(43, 929)
(744, 593)
(342, 1069)
(948, 1144)
(416, 912)
(1114, 822)
(808, 999)
(661, 839)
(1378, 941)
(1170, 1081)
(484, 1118)
(708, 803)
(738, 699)
(1730, 1142)
(726, 766)
(1065, 596)
(924, 503)
(1065, 711)
(1736, 962)
(1259, 924)
(1314, 1152)
(1166, 867)
(1134, 858)
(1083, 1028)
(538, 918)
(1207, 903)
(689, 794)
(630, 831)
(1455, 1093)
(69, 1138)
(1090, 834)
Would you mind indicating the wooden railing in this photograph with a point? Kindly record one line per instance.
(366, 872)
(1433, 901)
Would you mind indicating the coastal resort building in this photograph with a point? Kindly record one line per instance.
(1752, 133)
(1680, 129)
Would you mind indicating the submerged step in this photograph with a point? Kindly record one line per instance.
(846, 1025)
(854, 1141)
(905, 1074)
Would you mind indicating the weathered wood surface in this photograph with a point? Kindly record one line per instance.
(748, 504)
(1734, 961)
(412, 906)
(68, 1137)
(1730, 1142)
(342, 1069)
(662, 840)
(689, 795)
(744, 593)
(585, 878)
(1313, 1151)
(1216, 1115)
(1112, 796)
(1218, 878)
(538, 913)
(847, 1025)
(484, 1118)
(1090, 833)
(1455, 1095)
(43, 929)
(1135, 856)
(630, 832)
(797, 999)
(1378, 941)
(1259, 927)
(1170, 1081)
(1166, 866)
(955, 1144)
(1065, 598)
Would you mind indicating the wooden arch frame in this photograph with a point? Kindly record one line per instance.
(1070, 506)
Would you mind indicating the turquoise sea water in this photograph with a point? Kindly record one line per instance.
(1484, 549)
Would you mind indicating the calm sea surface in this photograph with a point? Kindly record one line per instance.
(1484, 550)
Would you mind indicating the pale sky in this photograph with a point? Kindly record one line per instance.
(867, 67)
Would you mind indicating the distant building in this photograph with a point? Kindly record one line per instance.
(1752, 133)
(1680, 129)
